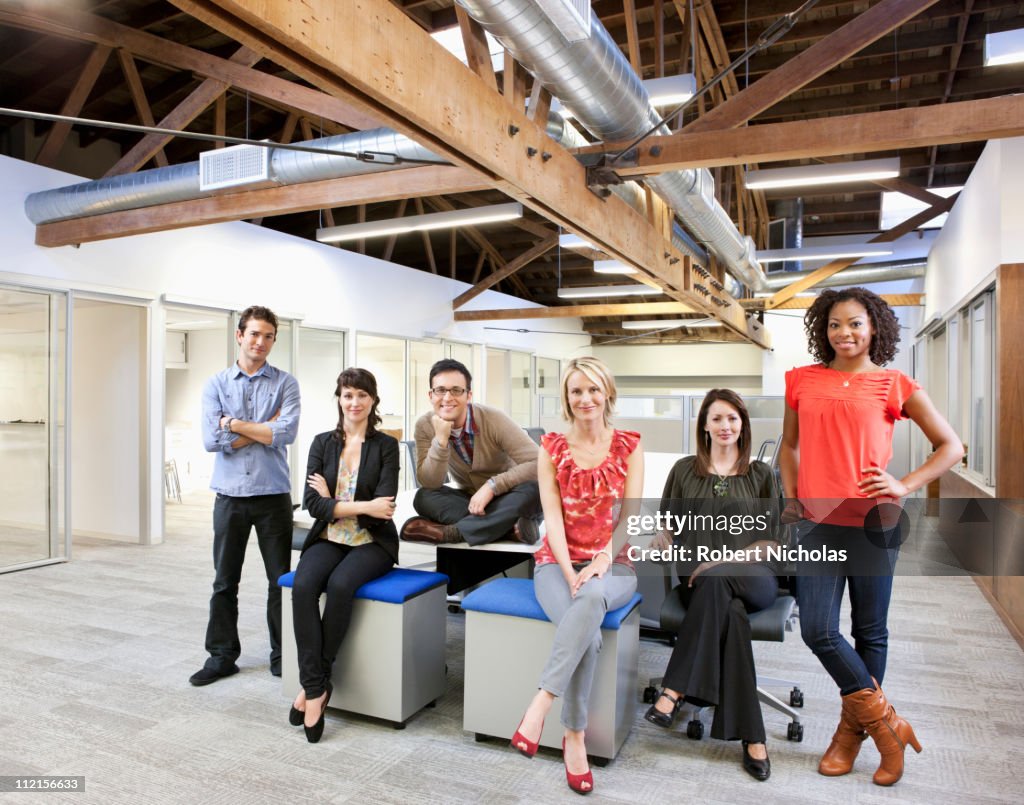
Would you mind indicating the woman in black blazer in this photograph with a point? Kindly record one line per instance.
(352, 480)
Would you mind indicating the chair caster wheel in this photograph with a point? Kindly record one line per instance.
(796, 698)
(695, 730)
(649, 694)
(454, 609)
(398, 725)
(479, 737)
(795, 731)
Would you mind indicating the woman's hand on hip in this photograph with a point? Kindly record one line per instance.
(318, 484)
(878, 483)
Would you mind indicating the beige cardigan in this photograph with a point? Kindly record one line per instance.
(501, 450)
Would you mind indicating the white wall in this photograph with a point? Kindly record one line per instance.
(108, 377)
(984, 228)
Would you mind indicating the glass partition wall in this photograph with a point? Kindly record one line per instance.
(33, 400)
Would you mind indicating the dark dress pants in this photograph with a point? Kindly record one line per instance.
(712, 663)
(451, 507)
(233, 519)
(338, 570)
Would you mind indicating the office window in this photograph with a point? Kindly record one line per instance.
(979, 456)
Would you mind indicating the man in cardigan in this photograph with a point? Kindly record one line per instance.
(491, 458)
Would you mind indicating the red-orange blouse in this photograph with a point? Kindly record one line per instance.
(842, 430)
(590, 498)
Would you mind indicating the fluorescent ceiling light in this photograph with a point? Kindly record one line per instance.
(571, 241)
(828, 252)
(451, 40)
(897, 208)
(612, 267)
(419, 223)
(590, 291)
(828, 173)
(1005, 47)
(667, 324)
(669, 90)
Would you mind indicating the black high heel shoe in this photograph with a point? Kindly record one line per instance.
(314, 733)
(666, 720)
(296, 716)
(760, 770)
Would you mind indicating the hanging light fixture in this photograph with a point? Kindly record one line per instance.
(612, 267)
(470, 216)
(825, 173)
(831, 251)
(668, 324)
(593, 291)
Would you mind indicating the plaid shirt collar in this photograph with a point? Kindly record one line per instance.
(463, 445)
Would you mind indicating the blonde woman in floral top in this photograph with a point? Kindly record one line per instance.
(582, 570)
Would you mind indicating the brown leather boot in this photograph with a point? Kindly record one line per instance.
(842, 752)
(890, 733)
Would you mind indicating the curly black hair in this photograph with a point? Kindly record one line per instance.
(883, 322)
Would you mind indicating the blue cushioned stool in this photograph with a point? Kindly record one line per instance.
(508, 640)
(391, 663)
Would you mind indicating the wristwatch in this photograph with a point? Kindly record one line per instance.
(228, 426)
(494, 486)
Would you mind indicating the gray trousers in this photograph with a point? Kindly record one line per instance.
(569, 672)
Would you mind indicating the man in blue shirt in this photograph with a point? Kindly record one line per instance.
(250, 415)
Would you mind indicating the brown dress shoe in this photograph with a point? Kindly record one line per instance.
(420, 529)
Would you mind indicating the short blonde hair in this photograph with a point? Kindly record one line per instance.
(595, 371)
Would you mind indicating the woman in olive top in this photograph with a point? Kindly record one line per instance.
(712, 663)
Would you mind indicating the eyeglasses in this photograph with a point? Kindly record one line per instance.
(455, 391)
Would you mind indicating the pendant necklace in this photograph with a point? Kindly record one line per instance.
(720, 488)
(846, 377)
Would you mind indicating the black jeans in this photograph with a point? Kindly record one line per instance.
(712, 662)
(451, 507)
(233, 519)
(339, 570)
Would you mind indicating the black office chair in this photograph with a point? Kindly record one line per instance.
(768, 624)
(535, 433)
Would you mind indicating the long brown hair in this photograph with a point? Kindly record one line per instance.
(355, 378)
(703, 466)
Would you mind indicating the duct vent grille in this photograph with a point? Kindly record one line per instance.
(236, 165)
(570, 17)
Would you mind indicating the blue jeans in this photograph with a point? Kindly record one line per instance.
(820, 589)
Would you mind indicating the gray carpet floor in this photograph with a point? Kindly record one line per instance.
(94, 681)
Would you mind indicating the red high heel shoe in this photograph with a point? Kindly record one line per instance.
(524, 745)
(580, 783)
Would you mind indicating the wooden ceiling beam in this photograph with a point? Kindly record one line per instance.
(820, 57)
(826, 271)
(959, 122)
(351, 190)
(475, 42)
(804, 302)
(138, 93)
(58, 133)
(577, 311)
(392, 69)
(511, 267)
(180, 117)
(75, 25)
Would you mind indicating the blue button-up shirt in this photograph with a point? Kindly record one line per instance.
(256, 469)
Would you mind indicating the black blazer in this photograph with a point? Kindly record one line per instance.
(378, 477)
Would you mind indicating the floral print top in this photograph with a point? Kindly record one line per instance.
(591, 499)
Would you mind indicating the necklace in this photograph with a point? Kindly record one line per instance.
(720, 488)
(846, 376)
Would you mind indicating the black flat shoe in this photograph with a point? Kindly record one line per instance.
(760, 770)
(666, 720)
(314, 733)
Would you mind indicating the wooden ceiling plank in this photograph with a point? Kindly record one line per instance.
(180, 117)
(479, 266)
(659, 38)
(79, 93)
(514, 82)
(577, 311)
(477, 53)
(954, 60)
(632, 37)
(389, 249)
(820, 57)
(393, 69)
(220, 121)
(804, 302)
(958, 122)
(510, 268)
(368, 188)
(138, 93)
(427, 246)
(540, 103)
(76, 25)
(836, 266)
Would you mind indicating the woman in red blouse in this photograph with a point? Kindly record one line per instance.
(582, 571)
(836, 444)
